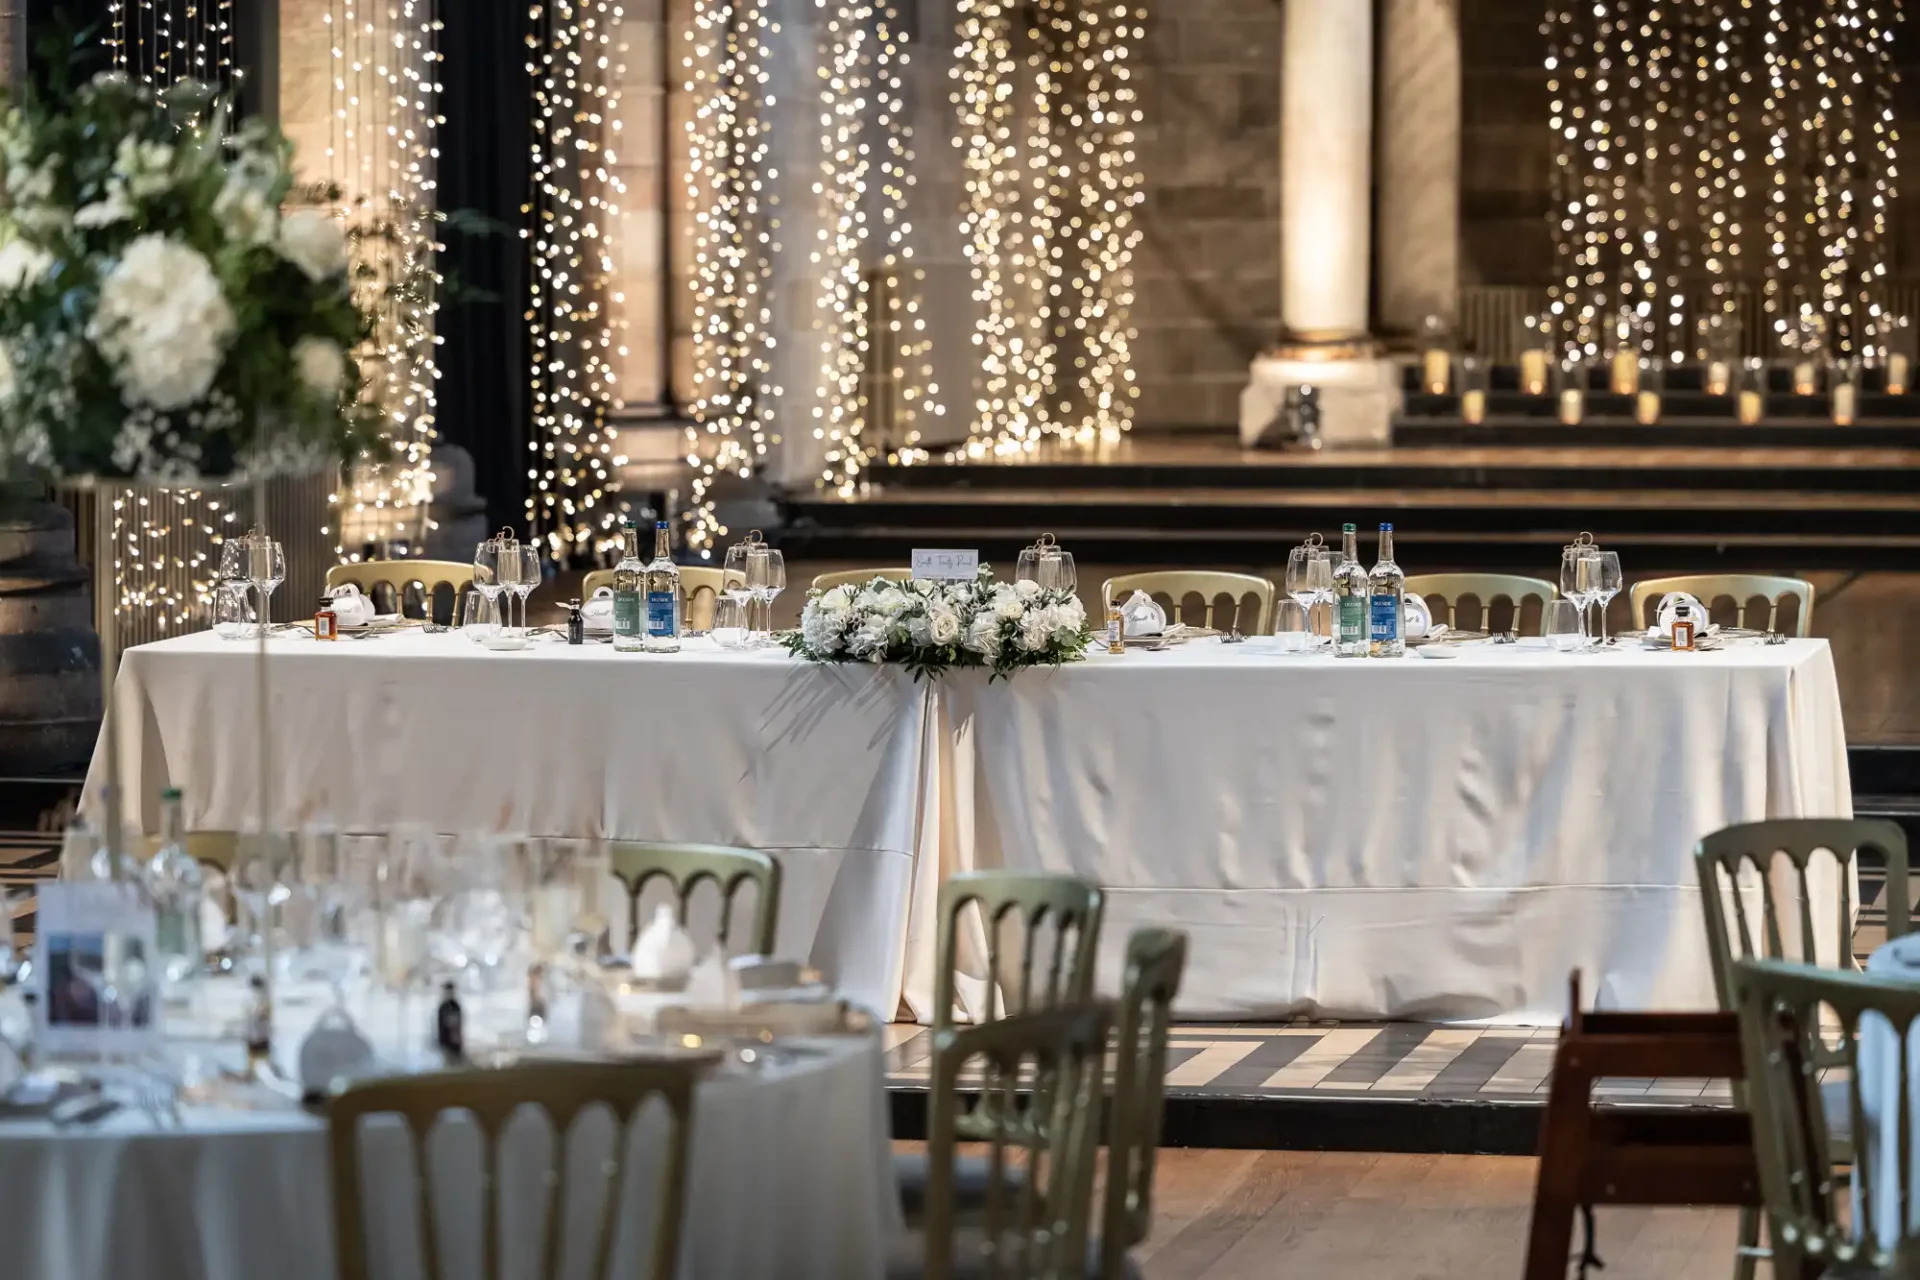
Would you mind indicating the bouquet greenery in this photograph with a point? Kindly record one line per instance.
(933, 627)
(161, 314)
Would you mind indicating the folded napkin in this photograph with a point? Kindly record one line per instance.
(1141, 616)
(663, 952)
(1670, 609)
(1416, 620)
(350, 607)
(712, 985)
(597, 612)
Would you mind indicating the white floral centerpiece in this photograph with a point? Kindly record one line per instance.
(932, 627)
(161, 316)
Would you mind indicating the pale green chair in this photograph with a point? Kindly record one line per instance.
(684, 866)
(1789, 1014)
(1741, 588)
(387, 583)
(1451, 588)
(699, 589)
(1155, 960)
(492, 1098)
(1734, 933)
(1176, 586)
(1027, 1227)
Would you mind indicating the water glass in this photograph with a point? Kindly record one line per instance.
(731, 627)
(1563, 626)
(1290, 617)
(479, 616)
(233, 614)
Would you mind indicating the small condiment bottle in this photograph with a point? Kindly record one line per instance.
(1683, 627)
(326, 623)
(258, 1023)
(1116, 629)
(576, 624)
(449, 1025)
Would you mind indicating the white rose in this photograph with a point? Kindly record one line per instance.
(162, 323)
(1026, 588)
(22, 265)
(983, 637)
(244, 213)
(322, 366)
(1009, 608)
(838, 600)
(312, 241)
(943, 626)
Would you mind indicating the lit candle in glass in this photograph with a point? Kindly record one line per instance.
(1435, 365)
(1719, 377)
(1646, 400)
(1533, 372)
(1897, 369)
(1625, 380)
(1845, 393)
(1806, 378)
(1473, 390)
(1572, 383)
(1751, 404)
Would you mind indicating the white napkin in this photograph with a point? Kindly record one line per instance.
(1415, 618)
(349, 606)
(597, 612)
(1142, 616)
(214, 928)
(334, 1050)
(663, 952)
(713, 985)
(1670, 608)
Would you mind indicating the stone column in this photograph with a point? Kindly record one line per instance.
(1419, 163)
(1326, 174)
(1326, 177)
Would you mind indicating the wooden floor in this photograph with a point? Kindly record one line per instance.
(1272, 1215)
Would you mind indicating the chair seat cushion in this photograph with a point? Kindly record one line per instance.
(907, 1258)
(971, 1176)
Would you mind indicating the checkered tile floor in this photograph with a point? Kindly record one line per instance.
(1407, 1060)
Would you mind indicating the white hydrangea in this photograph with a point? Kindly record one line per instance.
(1036, 631)
(313, 242)
(821, 631)
(838, 600)
(983, 636)
(22, 265)
(245, 213)
(162, 323)
(321, 364)
(869, 639)
(146, 168)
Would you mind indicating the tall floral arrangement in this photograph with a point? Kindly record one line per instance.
(933, 627)
(163, 313)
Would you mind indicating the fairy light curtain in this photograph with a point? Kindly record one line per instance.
(161, 41)
(575, 60)
(382, 153)
(1047, 115)
(1722, 163)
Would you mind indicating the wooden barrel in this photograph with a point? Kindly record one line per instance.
(49, 654)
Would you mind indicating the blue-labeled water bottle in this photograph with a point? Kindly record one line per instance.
(663, 597)
(1386, 586)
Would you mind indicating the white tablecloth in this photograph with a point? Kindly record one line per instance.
(790, 1176)
(819, 765)
(1390, 838)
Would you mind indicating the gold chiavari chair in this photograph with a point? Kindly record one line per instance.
(684, 866)
(858, 577)
(1155, 960)
(701, 588)
(562, 1091)
(386, 582)
(1742, 588)
(1451, 588)
(1035, 903)
(1031, 1227)
(1177, 585)
(215, 849)
(1770, 850)
(1789, 1014)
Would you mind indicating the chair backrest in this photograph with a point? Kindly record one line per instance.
(1451, 588)
(1741, 588)
(1038, 900)
(700, 587)
(1155, 960)
(562, 1091)
(859, 577)
(1175, 585)
(1035, 1227)
(387, 581)
(684, 866)
(215, 849)
(1785, 1010)
(1781, 853)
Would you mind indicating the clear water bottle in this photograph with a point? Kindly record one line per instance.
(174, 883)
(1387, 633)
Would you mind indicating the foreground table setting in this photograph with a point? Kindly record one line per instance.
(1402, 838)
(819, 766)
(789, 1169)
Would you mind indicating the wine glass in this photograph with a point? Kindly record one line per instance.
(1300, 575)
(1570, 557)
(1586, 581)
(773, 580)
(487, 566)
(264, 874)
(1610, 584)
(266, 569)
(527, 578)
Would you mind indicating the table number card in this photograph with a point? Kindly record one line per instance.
(95, 964)
(945, 565)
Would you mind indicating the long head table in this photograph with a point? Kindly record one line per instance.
(1396, 838)
(1405, 838)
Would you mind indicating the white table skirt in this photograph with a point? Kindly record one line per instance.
(1390, 838)
(790, 1176)
(822, 766)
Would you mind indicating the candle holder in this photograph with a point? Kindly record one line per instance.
(1531, 341)
(1473, 390)
(1843, 392)
(1436, 359)
(1570, 391)
(1719, 345)
(1750, 405)
(1646, 398)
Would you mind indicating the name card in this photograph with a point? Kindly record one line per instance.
(945, 565)
(97, 969)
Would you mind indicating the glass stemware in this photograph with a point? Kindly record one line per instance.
(1571, 587)
(263, 563)
(773, 580)
(527, 578)
(1586, 583)
(487, 573)
(1609, 586)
